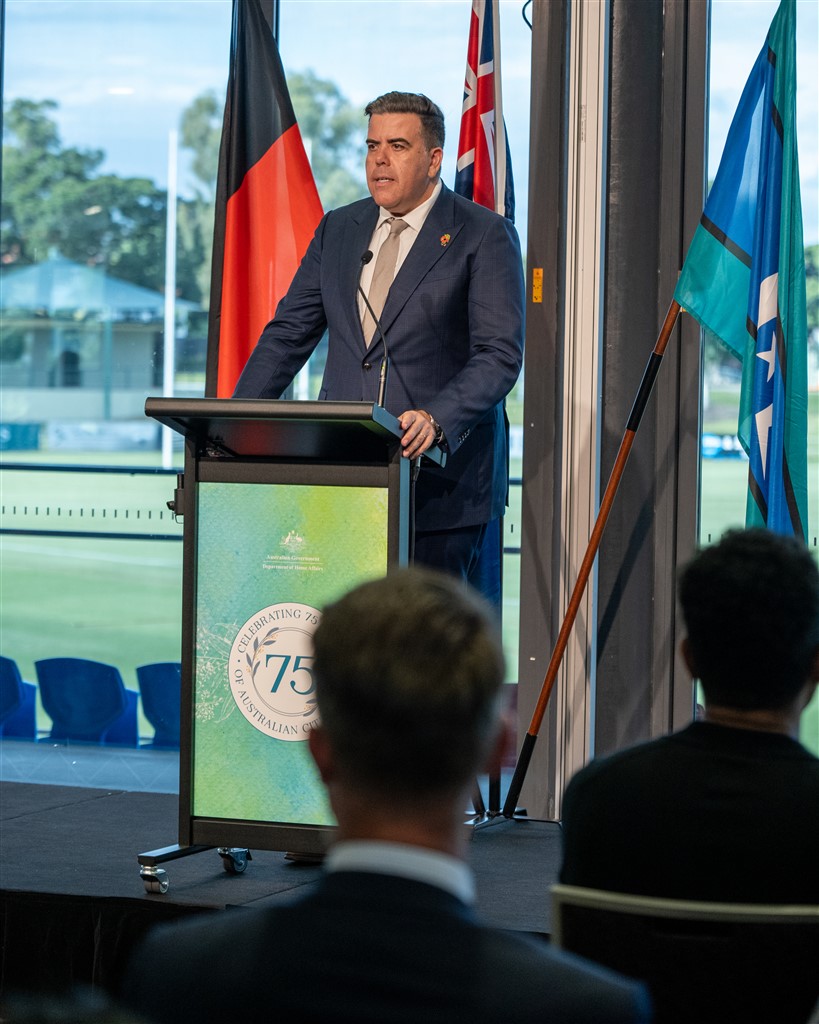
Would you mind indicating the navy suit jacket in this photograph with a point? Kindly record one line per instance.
(368, 949)
(454, 326)
(714, 813)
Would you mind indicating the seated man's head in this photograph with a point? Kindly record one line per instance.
(751, 610)
(408, 673)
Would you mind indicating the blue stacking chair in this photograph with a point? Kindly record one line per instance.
(17, 703)
(87, 702)
(161, 690)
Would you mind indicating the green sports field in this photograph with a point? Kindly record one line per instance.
(119, 601)
(111, 600)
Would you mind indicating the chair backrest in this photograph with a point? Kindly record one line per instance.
(83, 698)
(18, 703)
(11, 688)
(702, 962)
(160, 688)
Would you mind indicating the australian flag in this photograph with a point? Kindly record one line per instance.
(484, 172)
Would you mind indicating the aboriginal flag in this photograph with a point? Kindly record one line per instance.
(267, 206)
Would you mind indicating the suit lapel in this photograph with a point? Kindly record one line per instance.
(357, 237)
(430, 246)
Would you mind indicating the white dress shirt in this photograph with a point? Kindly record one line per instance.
(422, 865)
(415, 221)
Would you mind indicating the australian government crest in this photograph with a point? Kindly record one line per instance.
(271, 670)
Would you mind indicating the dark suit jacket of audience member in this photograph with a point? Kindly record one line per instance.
(363, 948)
(708, 813)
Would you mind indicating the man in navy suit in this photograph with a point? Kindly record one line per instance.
(408, 672)
(453, 321)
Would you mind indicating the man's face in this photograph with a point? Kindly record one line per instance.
(401, 171)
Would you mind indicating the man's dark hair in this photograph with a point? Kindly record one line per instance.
(751, 608)
(408, 674)
(432, 119)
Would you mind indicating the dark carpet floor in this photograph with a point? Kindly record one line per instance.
(70, 885)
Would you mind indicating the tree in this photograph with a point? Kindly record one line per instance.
(331, 127)
(200, 131)
(34, 165)
(332, 131)
(54, 199)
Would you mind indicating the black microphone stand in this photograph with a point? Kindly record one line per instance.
(477, 797)
(385, 361)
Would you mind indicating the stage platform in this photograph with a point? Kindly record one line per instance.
(73, 903)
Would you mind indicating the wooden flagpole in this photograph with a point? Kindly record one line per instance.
(640, 402)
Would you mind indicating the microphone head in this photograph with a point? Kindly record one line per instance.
(366, 257)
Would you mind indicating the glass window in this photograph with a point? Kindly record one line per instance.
(99, 99)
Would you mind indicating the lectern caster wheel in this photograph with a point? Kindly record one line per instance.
(155, 880)
(234, 860)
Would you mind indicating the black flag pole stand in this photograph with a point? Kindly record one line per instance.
(640, 402)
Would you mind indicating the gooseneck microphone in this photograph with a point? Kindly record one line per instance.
(385, 362)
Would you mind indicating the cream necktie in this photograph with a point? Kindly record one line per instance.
(382, 276)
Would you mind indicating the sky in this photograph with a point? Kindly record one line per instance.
(123, 70)
(738, 30)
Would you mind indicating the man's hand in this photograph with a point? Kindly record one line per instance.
(419, 433)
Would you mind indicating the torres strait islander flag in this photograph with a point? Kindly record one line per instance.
(267, 205)
(484, 171)
(744, 281)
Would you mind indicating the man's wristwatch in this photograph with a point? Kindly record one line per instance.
(439, 430)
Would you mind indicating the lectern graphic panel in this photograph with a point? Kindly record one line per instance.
(286, 505)
(259, 590)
